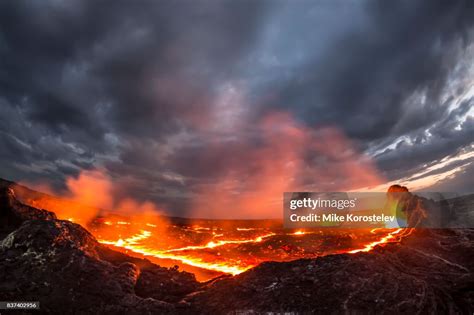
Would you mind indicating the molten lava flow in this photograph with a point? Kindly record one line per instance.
(200, 255)
(213, 244)
(222, 247)
(394, 236)
(132, 243)
(233, 269)
(130, 240)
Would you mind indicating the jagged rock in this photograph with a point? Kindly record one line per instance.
(429, 272)
(418, 211)
(13, 213)
(62, 265)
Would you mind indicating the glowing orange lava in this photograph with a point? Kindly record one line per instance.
(390, 237)
(213, 244)
(190, 255)
(220, 247)
(132, 243)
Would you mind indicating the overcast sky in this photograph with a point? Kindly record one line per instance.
(173, 98)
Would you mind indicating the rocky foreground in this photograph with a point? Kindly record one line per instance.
(61, 265)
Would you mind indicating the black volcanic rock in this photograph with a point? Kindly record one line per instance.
(13, 213)
(432, 212)
(428, 272)
(62, 265)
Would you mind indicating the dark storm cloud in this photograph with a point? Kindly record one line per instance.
(166, 94)
(367, 73)
(140, 63)
(445, 139)
(364, 80)
(86, 81)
